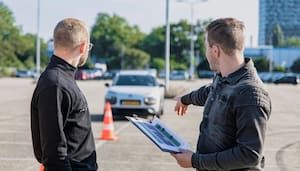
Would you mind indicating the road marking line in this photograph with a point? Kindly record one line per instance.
(5, 123)
(15, 143)
(10, 131)
(130, 162)
(16, 159)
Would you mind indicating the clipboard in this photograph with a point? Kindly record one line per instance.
(164, 138)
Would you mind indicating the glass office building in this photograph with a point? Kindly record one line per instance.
(286, 13)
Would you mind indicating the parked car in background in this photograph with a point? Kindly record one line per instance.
(108, 75)
(206, 74)
(135, 92)
(279, 77)
(88, 74)
(81, 74)
(152, 71)
(94, 74)
(179, 75)
(266, 77)
(288, 79)
(25, 74)
(270, 77)
(162, 74)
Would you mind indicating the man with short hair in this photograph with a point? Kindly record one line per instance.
(60, 119)
(236, 106)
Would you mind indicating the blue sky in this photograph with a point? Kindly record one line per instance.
(144, 13)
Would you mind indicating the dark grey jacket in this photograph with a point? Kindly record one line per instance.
(233, 128)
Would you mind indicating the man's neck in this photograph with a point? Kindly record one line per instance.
(230, 64)
(69, 58)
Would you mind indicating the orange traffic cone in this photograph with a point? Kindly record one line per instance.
(108, 126)
(42, 168)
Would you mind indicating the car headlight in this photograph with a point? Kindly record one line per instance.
(150, 100)
(112, 100)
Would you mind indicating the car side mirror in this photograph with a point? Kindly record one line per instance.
(161, 85)
(106, 84)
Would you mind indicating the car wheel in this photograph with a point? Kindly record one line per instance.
(161, 112)
(158, 116)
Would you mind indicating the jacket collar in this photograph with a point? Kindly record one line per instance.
(234, 77)
(63, 65)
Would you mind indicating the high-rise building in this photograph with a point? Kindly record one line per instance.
(285, 13)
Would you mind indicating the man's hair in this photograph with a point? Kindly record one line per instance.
(69, 33)
(228, 33)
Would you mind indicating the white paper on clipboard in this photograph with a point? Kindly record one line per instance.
(166, 139)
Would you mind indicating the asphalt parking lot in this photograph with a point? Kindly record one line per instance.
(133, 151)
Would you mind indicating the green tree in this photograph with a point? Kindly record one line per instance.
(261, 64)
(27, 51)
(135, 59)
(112, 35)
(292, 42)
(17, 50)
(154, 43)
(296, 66)
(174, 65)
(9, 36)
(277, 36)
(279, 69)
(157, 63)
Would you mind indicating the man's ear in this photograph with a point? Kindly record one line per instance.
(82, 47)
(216, 50)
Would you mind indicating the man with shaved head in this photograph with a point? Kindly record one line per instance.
(60, 119)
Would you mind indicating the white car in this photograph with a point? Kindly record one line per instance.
(136, 92)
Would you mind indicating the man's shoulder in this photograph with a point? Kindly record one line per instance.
(51, 78)
(251, 92)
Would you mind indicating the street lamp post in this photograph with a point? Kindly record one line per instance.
(192, 50)
(192, 53)
(167, 48)
(38, 42)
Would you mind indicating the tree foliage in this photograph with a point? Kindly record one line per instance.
(296, 66)
(292, 42)
(135, 59)
(261, 64)
(17, 49)
(112, 37)
(116, 42)
(157, 63)
(154, 43)
(277, 36)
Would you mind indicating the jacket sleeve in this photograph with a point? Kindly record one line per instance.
(197, 97)
(251, 119)
(53, 106)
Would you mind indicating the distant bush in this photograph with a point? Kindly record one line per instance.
(279, 69)
(296, 66)
(261, 64)
(7, 72)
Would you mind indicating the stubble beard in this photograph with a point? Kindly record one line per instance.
(82, 60)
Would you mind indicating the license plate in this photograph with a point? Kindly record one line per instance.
(131, 102)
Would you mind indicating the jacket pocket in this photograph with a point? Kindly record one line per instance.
(219, 110)
(77, 114)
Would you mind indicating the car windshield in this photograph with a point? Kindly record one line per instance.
(135, 80)
(23, 72)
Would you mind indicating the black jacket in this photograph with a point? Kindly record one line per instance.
(233, 128)
(60, 121)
